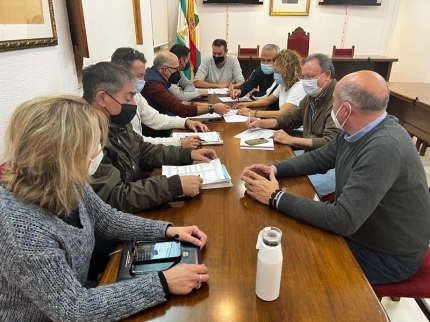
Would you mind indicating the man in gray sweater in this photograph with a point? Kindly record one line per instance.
(382, 204)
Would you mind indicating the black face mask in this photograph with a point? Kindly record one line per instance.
(218, 60)
(187, 66)
(175, 77)
(128, 112)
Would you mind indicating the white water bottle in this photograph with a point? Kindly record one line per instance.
(269, 264)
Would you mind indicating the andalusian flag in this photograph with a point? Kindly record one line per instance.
(193, 27)
(182, 34)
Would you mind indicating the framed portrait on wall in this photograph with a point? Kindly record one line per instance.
(27, 24)
(289, 7)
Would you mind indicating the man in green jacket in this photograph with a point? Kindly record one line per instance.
(120, 179)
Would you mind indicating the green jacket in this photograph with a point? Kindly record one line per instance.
(120, 180)
(322, 130)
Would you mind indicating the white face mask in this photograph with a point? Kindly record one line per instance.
(311, 86)
(335, 120)
(94, 163)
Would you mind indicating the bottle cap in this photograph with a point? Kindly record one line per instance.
(272, 236)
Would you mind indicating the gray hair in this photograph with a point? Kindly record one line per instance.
(363, 100)
(324, 61)
(272, 46)
(105, 76)
(160, 61)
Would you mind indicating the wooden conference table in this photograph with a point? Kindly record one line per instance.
(321, 281)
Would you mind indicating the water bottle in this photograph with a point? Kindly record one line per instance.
(269, 264)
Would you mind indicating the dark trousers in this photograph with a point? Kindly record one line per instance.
(381, 268)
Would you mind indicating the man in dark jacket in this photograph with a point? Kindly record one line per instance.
(120, 179)
(261, 78)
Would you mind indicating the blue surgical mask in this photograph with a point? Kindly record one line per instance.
(140, 84)
(267, 69)
(277, 77)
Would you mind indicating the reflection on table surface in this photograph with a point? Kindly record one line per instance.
(321, 281)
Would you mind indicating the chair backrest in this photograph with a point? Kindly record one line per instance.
(343, 52)
(251, 52)
(298, 41)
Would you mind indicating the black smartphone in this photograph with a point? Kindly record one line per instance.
(146, 252)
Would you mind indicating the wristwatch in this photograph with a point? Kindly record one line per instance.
(211, 109)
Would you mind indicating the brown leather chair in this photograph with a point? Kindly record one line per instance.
(249, 52)
(343, 52)
(298, 41)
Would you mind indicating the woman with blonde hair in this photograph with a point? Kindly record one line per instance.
(288, 69)
(49, 215)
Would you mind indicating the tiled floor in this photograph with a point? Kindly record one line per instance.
(407, 310)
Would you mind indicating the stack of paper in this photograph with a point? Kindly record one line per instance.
(207, 118)
(213, 173)
(232, 100)
(217, 90)
(255, 133)
(263, 146)
(207, 138)
(232, 116)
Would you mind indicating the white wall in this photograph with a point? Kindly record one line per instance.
(115, 28)
(251, 25)
(29, 73)
(410, 42)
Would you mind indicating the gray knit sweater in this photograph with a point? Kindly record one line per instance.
(44, 263)
(382, 200)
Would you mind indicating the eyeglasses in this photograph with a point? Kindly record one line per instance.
(174, 68)
(308, 77)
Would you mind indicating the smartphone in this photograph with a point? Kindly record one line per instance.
(256, 141)
(146, 252)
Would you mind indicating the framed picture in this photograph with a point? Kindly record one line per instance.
(289, 7)
(27, 24)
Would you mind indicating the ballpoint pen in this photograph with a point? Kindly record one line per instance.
(249, 119)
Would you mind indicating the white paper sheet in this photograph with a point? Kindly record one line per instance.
(255, 134)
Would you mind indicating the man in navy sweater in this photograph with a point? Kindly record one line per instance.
(261, 78)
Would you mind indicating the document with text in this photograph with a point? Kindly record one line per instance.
(213, 173)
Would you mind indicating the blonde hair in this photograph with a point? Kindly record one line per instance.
(290, 65)
(49, 142)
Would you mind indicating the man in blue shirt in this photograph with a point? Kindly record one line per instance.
(261, 78)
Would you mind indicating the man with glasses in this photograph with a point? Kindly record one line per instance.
(184, 90)
(135, 61)
(158, 80)
(313, 114)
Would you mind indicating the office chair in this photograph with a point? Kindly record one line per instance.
(416, 287)
(343, 52)
(298, 41)
(251, 52)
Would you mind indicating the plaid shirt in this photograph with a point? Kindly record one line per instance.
(315, 103)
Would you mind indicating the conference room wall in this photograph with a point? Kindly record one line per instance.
(368, 28)
(29, 73)
(410, 42)
(396, 29)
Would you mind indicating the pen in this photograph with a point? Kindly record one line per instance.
(249, 119)
(200, 139)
